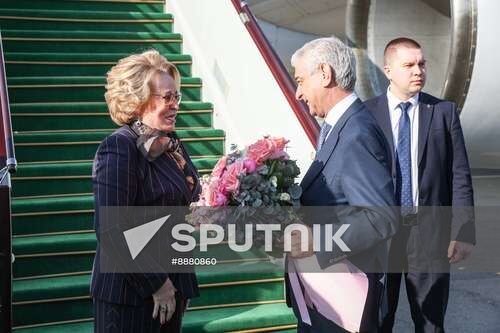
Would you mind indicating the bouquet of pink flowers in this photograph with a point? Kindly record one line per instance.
(260, 175)
(252, 186)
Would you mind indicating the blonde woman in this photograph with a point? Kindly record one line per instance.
(142, 163)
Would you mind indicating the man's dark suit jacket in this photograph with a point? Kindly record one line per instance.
(444, 175)
(122, 176)
(351, 175)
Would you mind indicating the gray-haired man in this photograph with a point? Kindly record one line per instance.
(351, 170)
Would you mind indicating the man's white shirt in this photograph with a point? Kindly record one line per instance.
(338, 110)
(395, 115)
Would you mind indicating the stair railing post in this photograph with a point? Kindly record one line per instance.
(5, 254)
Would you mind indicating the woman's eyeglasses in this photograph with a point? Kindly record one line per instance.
(170, 97)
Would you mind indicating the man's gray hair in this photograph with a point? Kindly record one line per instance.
(331, 51)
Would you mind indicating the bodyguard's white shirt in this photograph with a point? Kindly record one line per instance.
(395, 115)
(338, 110)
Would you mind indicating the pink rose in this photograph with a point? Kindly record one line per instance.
(260, 151)
(230, 181)
(267, 148)
(220, 200)
(279, 145)
(250, 165)
(211, 195)
(219, 168)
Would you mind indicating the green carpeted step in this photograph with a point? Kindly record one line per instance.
(93, 115)
(211, 276)
(89, 41)
(50, 288)
(95, 121)
(44, 205)
(85, 326)
(272, 317)
(68, 178)
(57, 295)
(74, 252)
(20, 82)
(91, 107)
(77, 89)
(53, 263)
(71, 20)
(55, 254)
(238, 275)
(64, 309)
(239, 318)
(43, 220)
(75, 64)
(83, 168)
(49, 217)
(82, 146)
(240, 284)
(52, 179)
(51, 185)
(148, 6)
(52, 221)
(38, 314)
(53, 244)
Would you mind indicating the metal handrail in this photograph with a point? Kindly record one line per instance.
(279, 72)
(8, 164)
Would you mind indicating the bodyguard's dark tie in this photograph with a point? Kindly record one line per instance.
(404, 185)
(323, 133)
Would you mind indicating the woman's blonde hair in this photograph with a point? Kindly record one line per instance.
(128, 84)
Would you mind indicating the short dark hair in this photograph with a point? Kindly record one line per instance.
(401, 41)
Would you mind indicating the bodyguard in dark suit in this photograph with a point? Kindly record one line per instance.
(433, 187)
(349, 182)
(141, 164)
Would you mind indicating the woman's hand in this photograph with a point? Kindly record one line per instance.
(164, 302)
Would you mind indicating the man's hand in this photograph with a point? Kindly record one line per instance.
(296, 251)
(458, 251)
(164, 302)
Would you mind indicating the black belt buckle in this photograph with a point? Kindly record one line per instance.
(410, 220)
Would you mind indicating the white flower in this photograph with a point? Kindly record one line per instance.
(285, 196)
(274, 181)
